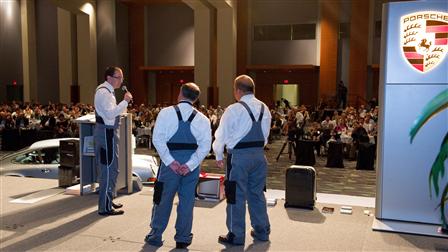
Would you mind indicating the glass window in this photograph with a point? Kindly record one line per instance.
(303, 31)
(50, 155)
(32, 157)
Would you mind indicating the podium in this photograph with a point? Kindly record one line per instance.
(88, 171)
(305, 152)
(335, 156)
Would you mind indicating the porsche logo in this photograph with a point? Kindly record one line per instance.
(424, 39)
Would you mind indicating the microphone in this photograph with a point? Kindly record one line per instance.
(125, 89)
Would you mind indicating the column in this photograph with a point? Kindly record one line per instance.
(85, 57)
(87, 53)
(359, 40)
(204, 50)
(329, 27)
(241, 38)
(137, 53)
(29, 58)
(65, 55)
(226, 49)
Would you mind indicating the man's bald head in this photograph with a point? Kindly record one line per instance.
(245, 84)
(190, 91)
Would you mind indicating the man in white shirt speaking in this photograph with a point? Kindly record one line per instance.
(106, 135)
(182, 137)
(244, 130)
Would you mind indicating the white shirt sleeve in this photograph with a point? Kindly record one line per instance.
(266, 124)
(161, 137)
(221, 133)
(106, 106)
(201, 130)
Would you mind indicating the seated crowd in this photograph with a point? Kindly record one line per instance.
(349, 125)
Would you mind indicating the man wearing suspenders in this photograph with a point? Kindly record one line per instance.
(182, 137)
(244, 130)
(106, 136)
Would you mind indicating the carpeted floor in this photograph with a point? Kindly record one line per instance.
(346, 181)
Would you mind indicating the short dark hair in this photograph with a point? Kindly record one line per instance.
(190, 91)
(245, 84)
(110, 71)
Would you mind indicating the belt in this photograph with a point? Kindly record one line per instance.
(182, 146)
(245, 145)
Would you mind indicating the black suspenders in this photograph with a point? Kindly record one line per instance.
(251, 144)
(183, 146)
(98, 118)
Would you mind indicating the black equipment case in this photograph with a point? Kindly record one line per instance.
(300, 187)
(69, 152)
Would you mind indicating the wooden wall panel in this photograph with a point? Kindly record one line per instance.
(307, 79)
(241, 36)
(168, 84)
(137, 81)
(375, 81)
(329, 23)
(359, 39)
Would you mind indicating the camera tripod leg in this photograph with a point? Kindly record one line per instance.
(281, 150)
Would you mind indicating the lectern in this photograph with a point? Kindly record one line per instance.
(89, 173)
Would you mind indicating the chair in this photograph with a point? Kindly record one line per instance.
(143, 137)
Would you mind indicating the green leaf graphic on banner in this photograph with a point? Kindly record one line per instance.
(437, 104)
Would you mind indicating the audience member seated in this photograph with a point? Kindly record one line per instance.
(355, 125)
(276, 127)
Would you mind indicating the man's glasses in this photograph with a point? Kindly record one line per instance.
(118, 77)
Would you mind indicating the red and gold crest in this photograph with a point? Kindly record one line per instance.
(424, 39)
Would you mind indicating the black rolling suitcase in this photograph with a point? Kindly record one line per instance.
(300, 187)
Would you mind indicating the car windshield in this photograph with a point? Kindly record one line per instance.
(42, 156)
(32, 157)
(13, 153)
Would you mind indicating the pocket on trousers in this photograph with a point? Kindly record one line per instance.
(103, 156)
(158, 189)
(230, 190)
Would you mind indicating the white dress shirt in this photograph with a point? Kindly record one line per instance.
(236, 123)
(166, 126)
(106, 104)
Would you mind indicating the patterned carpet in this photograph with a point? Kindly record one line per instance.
(346, 181)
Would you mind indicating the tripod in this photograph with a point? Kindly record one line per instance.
(291, 147)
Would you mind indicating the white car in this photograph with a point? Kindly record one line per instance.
(41, 160)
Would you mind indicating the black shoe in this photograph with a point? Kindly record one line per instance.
(117, 205)
(153, 242)
(182, 245)
(227, 239)
(252, 233)
(113, 212)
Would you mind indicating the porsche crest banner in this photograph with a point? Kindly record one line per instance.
(424, 39)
